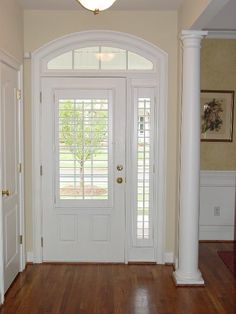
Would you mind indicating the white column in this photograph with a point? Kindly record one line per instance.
(188, 272)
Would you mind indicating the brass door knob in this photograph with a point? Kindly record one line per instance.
(119, 180)
(5, 193)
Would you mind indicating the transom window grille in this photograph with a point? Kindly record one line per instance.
(83, 149)
(100, 58)
(144, 168)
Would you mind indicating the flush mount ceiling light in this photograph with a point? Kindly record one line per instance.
(96, 5)
(105, 56)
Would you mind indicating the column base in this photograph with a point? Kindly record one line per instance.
(181, 279)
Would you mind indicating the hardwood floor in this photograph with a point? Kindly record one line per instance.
(122, 289)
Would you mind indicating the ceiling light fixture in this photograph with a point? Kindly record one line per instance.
(96, 5)
(105, 56)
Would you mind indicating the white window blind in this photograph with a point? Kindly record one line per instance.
(144, 163)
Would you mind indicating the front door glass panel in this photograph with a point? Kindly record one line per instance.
(83, 149)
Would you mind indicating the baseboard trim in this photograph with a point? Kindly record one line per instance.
(169, 258)
(30, 257)
(217, 241)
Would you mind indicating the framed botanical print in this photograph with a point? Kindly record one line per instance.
(217, 115)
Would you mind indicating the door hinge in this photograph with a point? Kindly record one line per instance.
(21, 239)
(40, 97)
(41, 170)
(41, 241)
(18, 94)
(19, 167)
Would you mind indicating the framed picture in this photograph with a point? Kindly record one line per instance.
(217, 113)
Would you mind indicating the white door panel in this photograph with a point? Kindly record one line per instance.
(10, 176)
(83, 141)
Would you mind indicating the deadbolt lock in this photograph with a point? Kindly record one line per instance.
(119, 167)
(119, 180)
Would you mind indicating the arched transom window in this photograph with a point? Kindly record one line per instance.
(100, 58)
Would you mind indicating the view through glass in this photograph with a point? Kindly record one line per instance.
(83, 149)
(143, 171)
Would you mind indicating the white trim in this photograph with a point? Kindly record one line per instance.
(11, 61)
(185, 281)
(162, 157)
(218, 178)
(27, 55)
(8, 59)
(220, 34)
(21, 161)
(169, 257)
(30, 257)
(193, 33)
(1, 216)
(131, 43)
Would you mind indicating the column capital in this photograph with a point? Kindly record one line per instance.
(193, 33)
(192, 38)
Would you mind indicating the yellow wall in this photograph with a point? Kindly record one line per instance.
(218, 72)
(159, 28)
(11, 28)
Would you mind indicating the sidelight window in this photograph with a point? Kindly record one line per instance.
(143, 157)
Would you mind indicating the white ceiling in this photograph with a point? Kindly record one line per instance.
(226, 18)
(118, 5)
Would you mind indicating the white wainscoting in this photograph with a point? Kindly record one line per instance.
(217, 205)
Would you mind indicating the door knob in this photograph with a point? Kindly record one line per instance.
(119, 180)
(5, 193)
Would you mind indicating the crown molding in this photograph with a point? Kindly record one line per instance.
(221, 34)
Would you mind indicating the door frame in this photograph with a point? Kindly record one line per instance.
(10, 61)
(130, 42)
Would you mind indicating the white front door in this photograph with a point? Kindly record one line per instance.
(9, 174)
(83, 169)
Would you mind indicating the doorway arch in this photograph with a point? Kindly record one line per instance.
(158, 75)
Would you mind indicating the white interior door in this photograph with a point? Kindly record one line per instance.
(9, 174)
(83, 169)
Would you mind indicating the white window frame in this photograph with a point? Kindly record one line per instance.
(160, 76)
(146, 92)
(119, 45)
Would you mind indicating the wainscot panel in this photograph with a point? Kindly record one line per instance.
(217, 205)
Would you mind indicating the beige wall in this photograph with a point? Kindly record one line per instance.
(159, 28)
(11, 28)
(218, 72)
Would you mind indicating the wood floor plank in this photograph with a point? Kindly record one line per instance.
(122, 289)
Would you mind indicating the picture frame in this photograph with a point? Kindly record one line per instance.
(217, 115)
